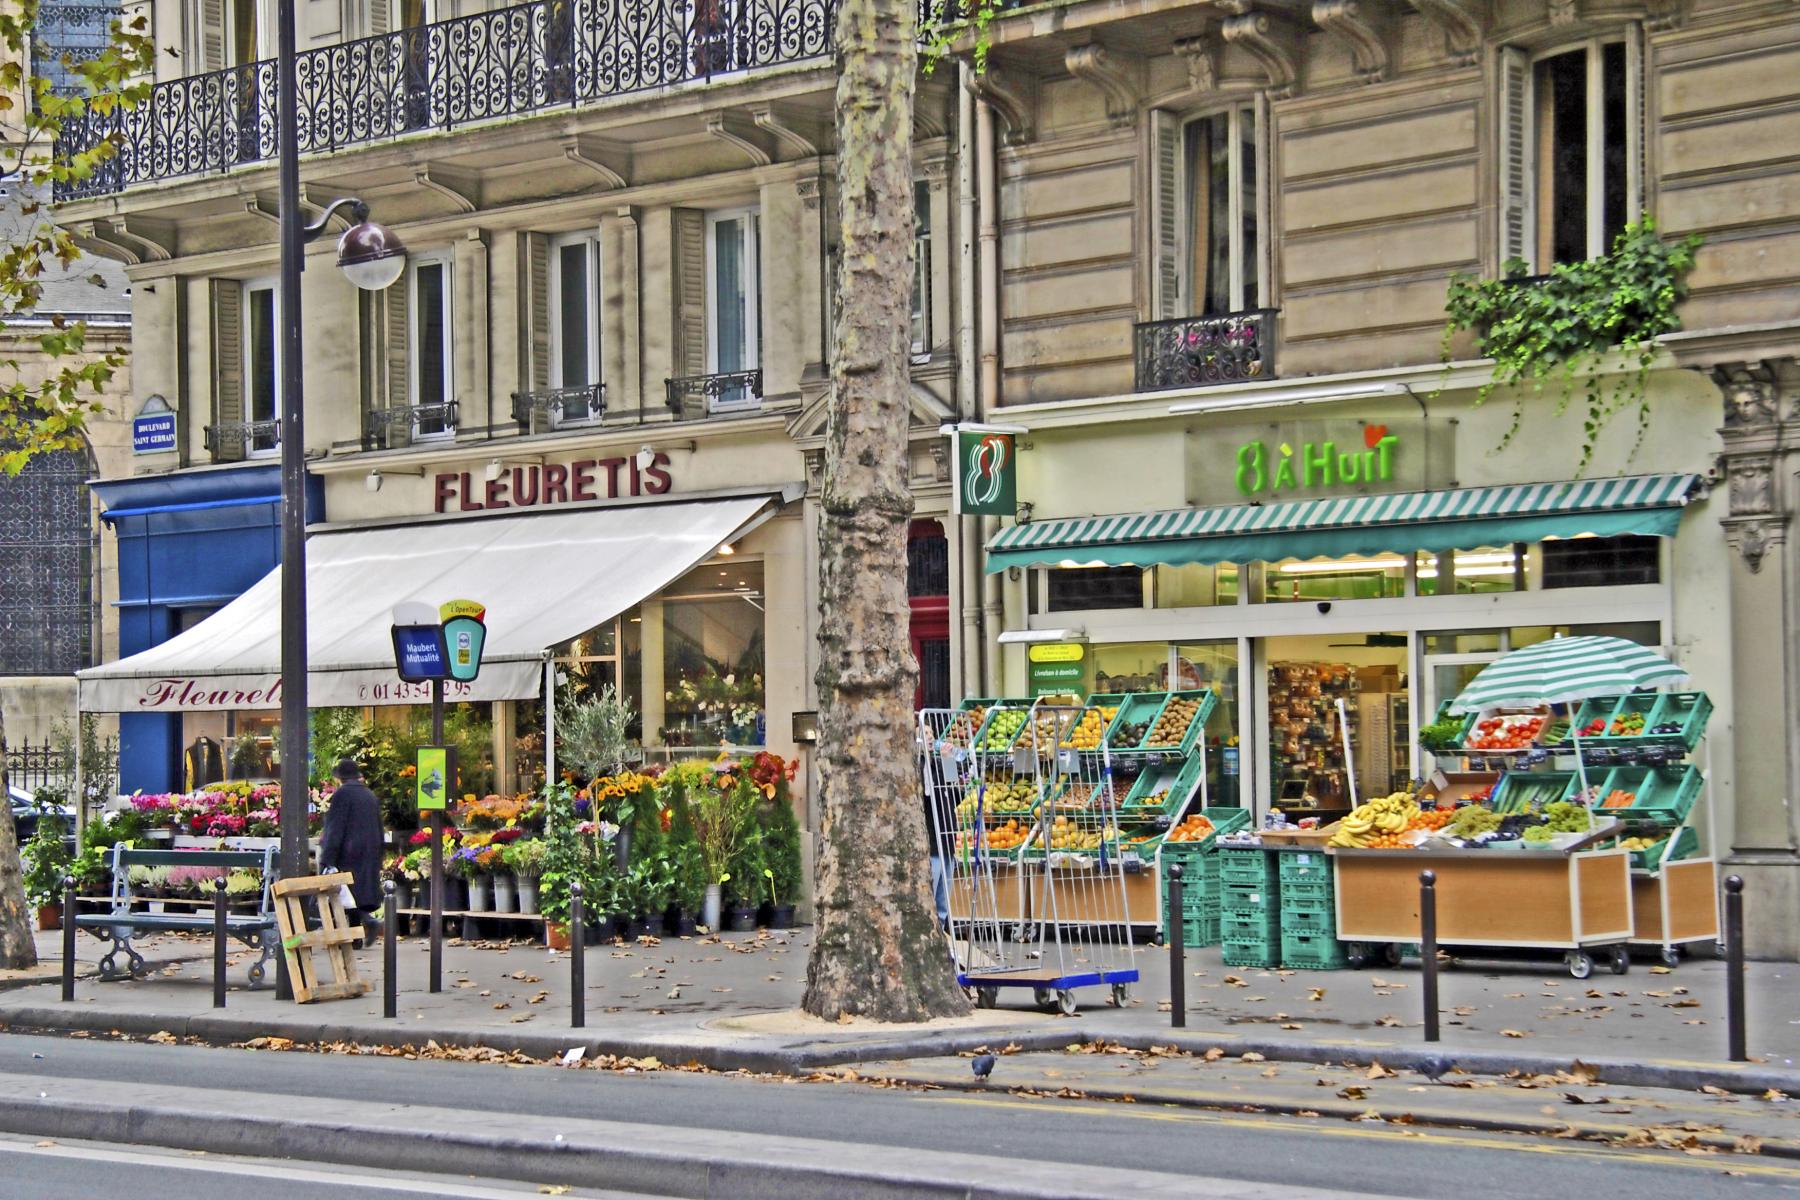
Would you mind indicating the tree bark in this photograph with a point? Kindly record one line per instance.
(18, 945)
(878, 951)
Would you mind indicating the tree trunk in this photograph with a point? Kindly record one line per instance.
(878, 950)
(18, 948)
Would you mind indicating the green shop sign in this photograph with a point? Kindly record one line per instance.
(1285, 466)
(987, 477)
(1057, 669)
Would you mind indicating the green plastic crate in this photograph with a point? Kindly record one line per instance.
(1308, 916)
(1246, 866)
(1304, 867)
(1689, 709)
(1250, 954)
(1250, 895)
(1598, 708)
(1239, 925)
(1668, 794)
(1518, 791)
(1313, 952)
(1207, 701)
(1320, 891)
(1687, 842)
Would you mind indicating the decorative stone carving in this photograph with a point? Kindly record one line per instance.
(1462, 22)
(1113, 74)
(734, 129)
(1563, 12)
(1752, 483)
(1343, 19)
(1201, 54)
(766, 117)
(1268, 40)
(807, 188)
(815, 470)
(1663, 15)
(1751, 394)
(1009, 95)
(1753, 538)
(940, 459)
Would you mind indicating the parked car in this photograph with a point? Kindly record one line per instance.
(26, 810)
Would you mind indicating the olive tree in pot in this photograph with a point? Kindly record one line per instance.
(593, 741)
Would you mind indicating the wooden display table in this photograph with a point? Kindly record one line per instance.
(1677, 906)
(1529, 899)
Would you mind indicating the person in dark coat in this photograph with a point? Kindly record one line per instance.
(352, 839)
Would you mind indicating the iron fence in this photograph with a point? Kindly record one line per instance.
(45, 765)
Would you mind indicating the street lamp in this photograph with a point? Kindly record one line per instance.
(372, 258)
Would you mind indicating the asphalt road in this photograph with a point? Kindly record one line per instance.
(1369, 1158)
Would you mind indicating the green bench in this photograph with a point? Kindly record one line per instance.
(256, 930)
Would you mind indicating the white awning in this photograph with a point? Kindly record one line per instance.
(545, 578)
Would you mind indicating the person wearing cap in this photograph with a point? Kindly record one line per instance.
(352, 839)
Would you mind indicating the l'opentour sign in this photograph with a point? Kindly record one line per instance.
(532, 485)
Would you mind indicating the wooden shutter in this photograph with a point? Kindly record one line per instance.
(213, 35)
(1515, 145)
(1165, 216)
(538, 269)
(228, 363)
(381, 17)
(690, 291)
(395, 301)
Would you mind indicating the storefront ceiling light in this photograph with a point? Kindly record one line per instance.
(1501, 563)
(971, 427)
(1300, 396)
(727, 549)
(1025, 637)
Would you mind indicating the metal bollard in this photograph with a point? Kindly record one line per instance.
(1734, 968)
(1177, 952)
(1428, 950)
(219, 942)
(68, 932)
(390, 928)
(577, 959)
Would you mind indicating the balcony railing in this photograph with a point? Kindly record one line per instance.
(692, 397)
(483, 67)
(404, 424)
(230, 441)
(554, 408)
(1197, 351)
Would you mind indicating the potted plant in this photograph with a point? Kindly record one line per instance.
(746, 875)
(687, 867)
(465, 864)
(243, 889)
(782, 861)
(723, 810)
(47, 861)
(525, 859)
(393, 869)
(567, 858)
(649, 884)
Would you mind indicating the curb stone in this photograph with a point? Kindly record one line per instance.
(798, 1056)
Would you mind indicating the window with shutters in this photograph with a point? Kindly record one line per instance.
(262, 368)
(921, 294)
(1221, 242)
(574, 324)
(428, 346)
(733, 305)
(1570, 152)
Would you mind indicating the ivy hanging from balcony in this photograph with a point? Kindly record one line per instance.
(1558, 328)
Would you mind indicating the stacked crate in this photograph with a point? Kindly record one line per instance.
(1199, 916)
(1250, 907)
(1309, 912)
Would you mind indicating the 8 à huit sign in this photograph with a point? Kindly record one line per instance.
(533, 485)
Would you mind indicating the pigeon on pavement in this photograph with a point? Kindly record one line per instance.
(982, 1065)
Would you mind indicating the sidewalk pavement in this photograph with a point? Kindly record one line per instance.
(729, 1001)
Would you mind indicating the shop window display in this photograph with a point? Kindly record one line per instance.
(712, 656)
(1306, 679)
(1476, 571)
(1377, 577)
(1215, 665)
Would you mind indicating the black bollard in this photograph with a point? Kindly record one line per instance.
(1177, 952)
(1734, 968)
(68, 932)
(1428, 950)
(390, 939)
(577, 959)
(219, 942)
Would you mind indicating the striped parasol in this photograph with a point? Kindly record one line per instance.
(1565, 669)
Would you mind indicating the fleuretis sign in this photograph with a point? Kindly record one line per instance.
(533, 485)
(174, 695)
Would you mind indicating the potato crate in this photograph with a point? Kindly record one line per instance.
(1651, 857)
(1204, 700)
(1313, 952)
(1134, 709)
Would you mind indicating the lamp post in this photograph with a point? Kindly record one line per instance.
(372, 258)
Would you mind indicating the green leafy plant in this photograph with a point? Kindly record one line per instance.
(1554, 326)
(747, 882)
(685, 858)
(943, 29)
(781, 850)
(47, 860)
(724, 815)
(525, 857)
(593, 737)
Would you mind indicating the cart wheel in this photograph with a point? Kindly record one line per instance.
(1066, 1003)
(1358, 955)
(1621, 960)
(986, 997)
(1581, 963)
(1671, 957)
(1044, 997)
(1121, 994)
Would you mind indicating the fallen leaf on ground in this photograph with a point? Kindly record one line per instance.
(1659, 970)
(1390, 1022)
(1714, 1090)
(1377, 1071)
(1513, 1033)
(1253, 1056)
(1271, 1072)
(1775, 1096)
(1578, 1098)
(517, 1017)
(1353, 1092)
(1747, 1144)
(1234, 981)
(1317, 994)
(1213, 1054)
(553, 1189)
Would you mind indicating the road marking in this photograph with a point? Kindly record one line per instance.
(1376, 1130)
(186, 1160)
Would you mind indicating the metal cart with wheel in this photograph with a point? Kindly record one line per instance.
(1052, 914)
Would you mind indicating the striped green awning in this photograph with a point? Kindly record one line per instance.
(1398, 523)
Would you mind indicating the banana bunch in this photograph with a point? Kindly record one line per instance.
(1377, 820)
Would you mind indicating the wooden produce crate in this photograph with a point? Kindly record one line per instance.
(1546, 898)
(1445, 788)
(1690, 890)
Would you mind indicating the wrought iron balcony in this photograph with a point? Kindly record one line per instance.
(553, 408)
(230, 441)
(1198, 351)
(404, 424)
(483, 67)
(692, 397)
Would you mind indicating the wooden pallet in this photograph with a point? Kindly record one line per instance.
(332, 938)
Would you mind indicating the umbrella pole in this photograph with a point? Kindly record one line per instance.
(1580, 763)
(1349, 763)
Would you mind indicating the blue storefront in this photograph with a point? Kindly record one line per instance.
(188, 543)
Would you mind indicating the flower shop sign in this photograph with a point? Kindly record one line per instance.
(535, 485)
